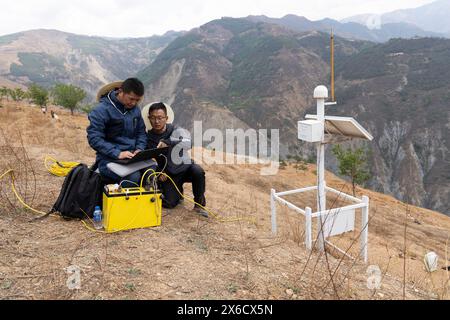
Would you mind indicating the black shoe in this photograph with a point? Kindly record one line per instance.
(201, 211)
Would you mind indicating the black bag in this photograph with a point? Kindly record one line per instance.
(80, 193)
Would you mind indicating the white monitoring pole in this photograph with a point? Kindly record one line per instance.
(320, 94)
(312, 130)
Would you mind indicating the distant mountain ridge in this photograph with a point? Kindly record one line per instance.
(239, 73)
(349, 30)
(431, 17)
(49, 56)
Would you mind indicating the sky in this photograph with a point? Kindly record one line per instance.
(143, 18)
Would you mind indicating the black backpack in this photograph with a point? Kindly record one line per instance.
(80, 193)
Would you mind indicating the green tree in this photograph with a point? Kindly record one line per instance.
(3, 92)
(17, 94)
(352, 164)
(87, 108)
(38, 95)
(68, 96)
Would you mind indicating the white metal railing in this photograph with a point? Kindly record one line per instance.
(362, 204)
(344, 195)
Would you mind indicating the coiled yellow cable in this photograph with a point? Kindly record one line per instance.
(13, 187)
(57, 168)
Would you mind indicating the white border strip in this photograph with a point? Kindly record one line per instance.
(286, 193)
(337, 210)
(341, 251)
(290, 205)
(340, 193)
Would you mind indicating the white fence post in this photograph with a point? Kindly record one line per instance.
(274, 211)
(321, 234)
(365, 229)
(308, 229)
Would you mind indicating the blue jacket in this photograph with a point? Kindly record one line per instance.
(114, 129)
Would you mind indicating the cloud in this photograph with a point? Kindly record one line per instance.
(134, 18)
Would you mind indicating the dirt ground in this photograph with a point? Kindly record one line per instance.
(191, 257)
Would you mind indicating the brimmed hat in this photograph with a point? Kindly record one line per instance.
(108, 88)
(145, 110)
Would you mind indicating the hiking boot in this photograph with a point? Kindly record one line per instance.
(201, 211)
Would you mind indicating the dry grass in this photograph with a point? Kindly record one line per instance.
(189, 257)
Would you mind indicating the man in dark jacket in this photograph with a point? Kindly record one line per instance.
(117, 130)
(182, 169)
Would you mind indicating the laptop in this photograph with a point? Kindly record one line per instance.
(144, 155)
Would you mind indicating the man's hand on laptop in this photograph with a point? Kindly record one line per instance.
(137, 151)
(126, 155)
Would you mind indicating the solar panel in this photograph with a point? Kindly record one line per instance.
(343, 126)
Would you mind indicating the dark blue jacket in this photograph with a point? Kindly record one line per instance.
(114, 129)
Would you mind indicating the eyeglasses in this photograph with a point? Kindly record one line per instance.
(157, 119)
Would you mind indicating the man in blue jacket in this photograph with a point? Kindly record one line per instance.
(116, 129)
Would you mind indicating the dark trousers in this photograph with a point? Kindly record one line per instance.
(195, 175)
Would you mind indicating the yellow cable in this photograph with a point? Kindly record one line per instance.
(215, 215)
(57, 168)
(10, 171)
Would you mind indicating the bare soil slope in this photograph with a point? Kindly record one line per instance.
(190, 257)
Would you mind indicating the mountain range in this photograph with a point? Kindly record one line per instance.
(252, 73)
(49, 56)
(237, 73)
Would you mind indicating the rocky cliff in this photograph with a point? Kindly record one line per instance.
(262, 76)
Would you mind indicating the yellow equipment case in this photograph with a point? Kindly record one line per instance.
(131, 208)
